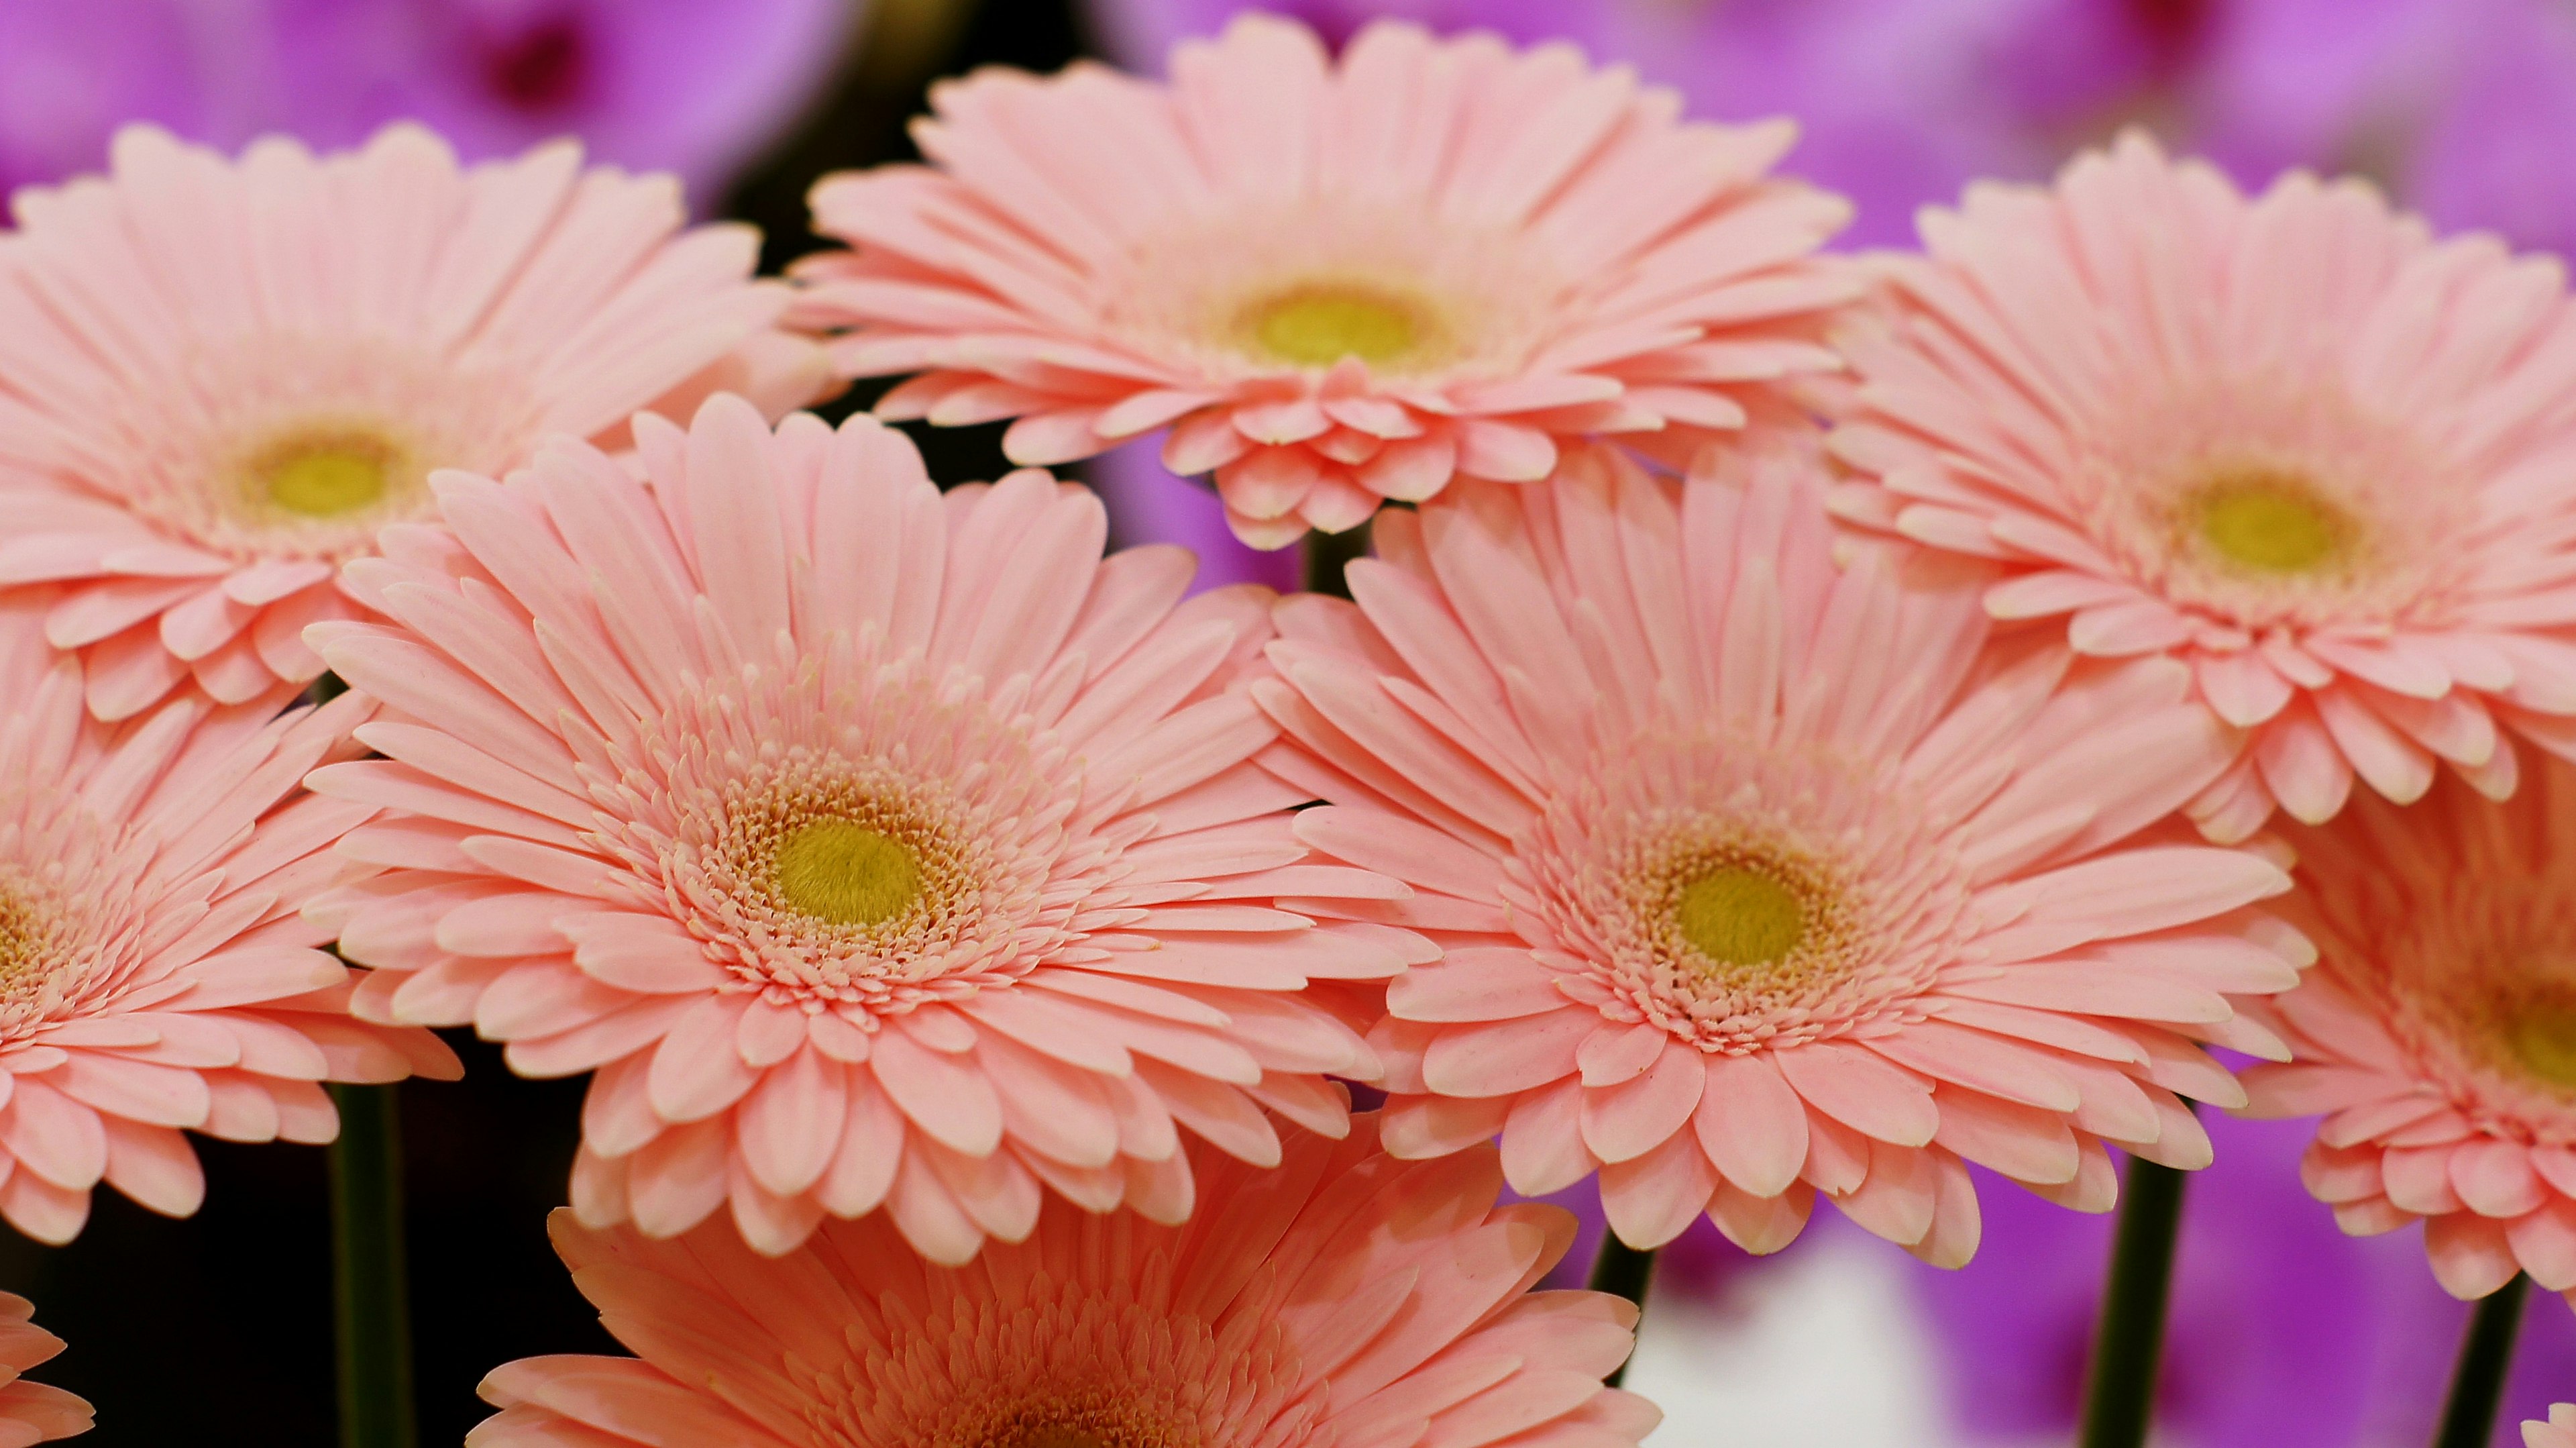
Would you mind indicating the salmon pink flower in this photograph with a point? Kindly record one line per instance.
(2558, 1432)
(155, 975)
(2437, 1034)
(1757, 877)
(1338, 281)
(1344, 1297)
(2292, 441)
(218, 380)
(31, 1412)
(875, 847)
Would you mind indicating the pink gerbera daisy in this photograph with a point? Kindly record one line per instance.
(2437, 1034)
(217, 380)
(1756, 878)
(2558, 1432)
(32, 1412)
(154, 973)
(1343, 1298)
(875, 846)
(2292, 441)
(1339, 282)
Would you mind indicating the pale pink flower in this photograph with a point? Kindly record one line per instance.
(1344, 1297)
(2558, 1432)
(875, 846)
(218, 379)
(1757, 878)
(1338, 281)
(155, 975)
(2291, 440)
(2437, 1034)
(32, 1412)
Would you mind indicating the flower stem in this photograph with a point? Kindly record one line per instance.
(1622, 1271)
(370, 1294)
(2129, 1343)
(2477, 1384)
(1327, 554)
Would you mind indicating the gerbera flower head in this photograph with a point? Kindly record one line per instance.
(32, 1412)
(1344, 1297)
(218, 379)
(2558, 1432)
(155, 975)
(2291, 440)
(1339, 281)
(1756, 877)
(876, 847)
(2437, 1034)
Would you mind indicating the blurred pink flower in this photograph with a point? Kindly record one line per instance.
(691, 86)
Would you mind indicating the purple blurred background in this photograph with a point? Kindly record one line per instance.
(2286, 1334)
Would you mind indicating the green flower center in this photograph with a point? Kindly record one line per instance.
(1317, 326)
(1736, 916)
(327, 476)
(846, 873)
(2541, 1031)
(2271, 523)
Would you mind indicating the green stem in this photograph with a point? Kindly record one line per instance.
(1622, 1271)
(368, 1287)
(2130, 1341)
(1327, 554)
(2477, 1384)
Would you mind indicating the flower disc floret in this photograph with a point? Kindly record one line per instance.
(1758, 877)
(1336, 280)
(876, 848)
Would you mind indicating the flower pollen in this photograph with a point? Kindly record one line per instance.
(842, 871)
(1317, 325)
(2265, 522)
(326, 476)
(2542, 1035)
(1739, 916)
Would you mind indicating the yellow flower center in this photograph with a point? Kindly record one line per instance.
(2540, 1030)
(2271, 523)
(1737, 916)
(1317, 326)
(22, 941)
(327, 475)
(846, 873)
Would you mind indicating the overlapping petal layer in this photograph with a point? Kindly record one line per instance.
(1344, 1297)
(875, 847)
(155, 975)
(31, 1412)
(2558, 1432)
(1338, 281)
(2290, 440)
(1757, 878)
(2437, 1035)
(218, 379)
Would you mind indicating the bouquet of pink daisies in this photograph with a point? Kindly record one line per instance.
(1803, 726)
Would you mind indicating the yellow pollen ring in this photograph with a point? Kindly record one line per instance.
(2271, 523)
(846, 873)
(325, 476)
(1317, 326)
(1736, 916)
